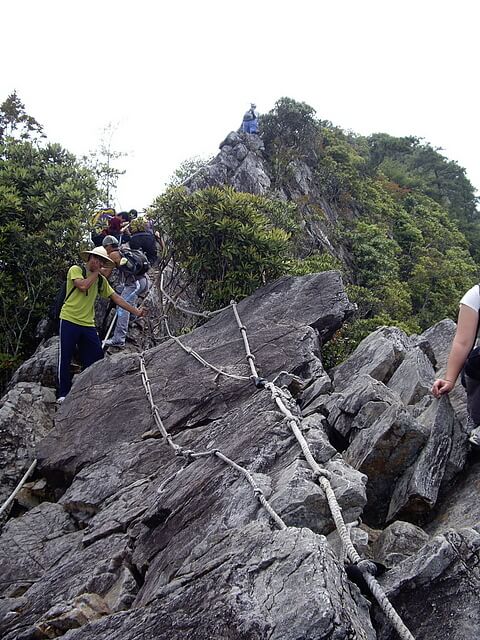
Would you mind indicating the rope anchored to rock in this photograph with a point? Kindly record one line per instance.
(321, 475)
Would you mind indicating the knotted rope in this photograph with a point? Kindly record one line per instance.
(322, 476)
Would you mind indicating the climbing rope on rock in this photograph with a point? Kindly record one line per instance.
(11, 498)
(191, 456)
(199, 314)
(198, 357)
(322, 476)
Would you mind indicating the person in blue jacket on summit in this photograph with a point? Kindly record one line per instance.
(250, 120)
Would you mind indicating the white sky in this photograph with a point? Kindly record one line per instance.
(177, 76)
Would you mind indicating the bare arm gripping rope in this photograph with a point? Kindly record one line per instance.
(322, 476)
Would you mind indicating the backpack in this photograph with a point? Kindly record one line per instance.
(134, 262)
(62, 297)
(100, 219)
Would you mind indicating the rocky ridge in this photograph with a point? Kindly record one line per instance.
(241, 164)
(115, 536)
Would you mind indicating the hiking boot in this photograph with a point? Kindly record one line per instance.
(474, 437)
(61, 399)
(113, 343)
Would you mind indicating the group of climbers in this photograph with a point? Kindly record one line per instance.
(107, 222)
(124, 256)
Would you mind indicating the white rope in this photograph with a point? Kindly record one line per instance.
(390, 613)
(243, 330)
(18, 487)
(109, 330)
(322, 476)
(198, 357)
(256, 489)
(192, 455)
(154, 408)
(190, 312)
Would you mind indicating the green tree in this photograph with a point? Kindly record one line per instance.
(101, 162)
(187, 169)
(227, 243)
(15, 121)
(290, 123)
(289, 132)
(45, 195)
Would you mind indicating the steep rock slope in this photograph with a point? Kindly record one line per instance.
(145, 543)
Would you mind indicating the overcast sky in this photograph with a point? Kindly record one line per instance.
(176, 77)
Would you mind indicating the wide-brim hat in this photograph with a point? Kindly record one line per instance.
(100, 252)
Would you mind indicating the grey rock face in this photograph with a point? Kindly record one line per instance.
(41, 368)
(378, 356)
(384, 452)
(240, 164)
(355, 406)
(144, 520)
(143, 543)
(40, 540)
(26, 416)
(414, 377)
(398, 541)
(440, 338)
(461, 507)
(439, 580)
(252, 580)
(186, 393)
(418, 489)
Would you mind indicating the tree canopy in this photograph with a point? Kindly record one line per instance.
(408, 217)
(226, 243)
(45, 197)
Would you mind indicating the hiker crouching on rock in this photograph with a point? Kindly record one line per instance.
(77, 317)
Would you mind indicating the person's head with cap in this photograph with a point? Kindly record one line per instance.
(97, 258)
(253, 105)
(110, 243)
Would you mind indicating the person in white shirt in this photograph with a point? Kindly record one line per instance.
(463, 342)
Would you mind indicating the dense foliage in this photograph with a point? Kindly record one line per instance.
(407, 222)
(44, 198)
(227, 243)
(409, 218)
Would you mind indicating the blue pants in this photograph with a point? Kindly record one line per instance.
(130, 293)
(472, 387)
(89, 346)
